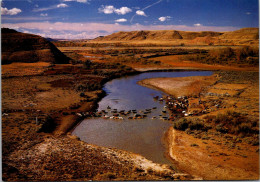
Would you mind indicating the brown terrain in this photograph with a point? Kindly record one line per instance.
(43, 99)
(244, 36)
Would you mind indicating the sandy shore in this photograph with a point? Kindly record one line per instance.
(180, 86)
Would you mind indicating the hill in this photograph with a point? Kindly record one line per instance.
(242, 36)
(23, 47)
(244, 33)
(157, 35)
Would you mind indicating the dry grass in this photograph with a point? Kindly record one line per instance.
(24, 69)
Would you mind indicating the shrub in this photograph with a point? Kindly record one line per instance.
(197, 125)
(157, 62)
(220, 128)
(245, 128)
(190, 124)
(194, 145)
(181, 124)
(209, 118)
(87, 64)
(234, 123)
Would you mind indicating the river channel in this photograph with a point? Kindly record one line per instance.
(142, 136)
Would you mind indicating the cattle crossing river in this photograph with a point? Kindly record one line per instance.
(142, 136)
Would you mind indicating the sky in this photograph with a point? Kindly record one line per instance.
(86, 19)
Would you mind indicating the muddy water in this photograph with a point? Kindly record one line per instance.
(142, 136)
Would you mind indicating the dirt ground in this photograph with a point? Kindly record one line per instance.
(212, 155)
(214, 158)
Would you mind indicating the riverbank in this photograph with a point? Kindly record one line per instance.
(40, 105)
(215, 154)
(177, 87)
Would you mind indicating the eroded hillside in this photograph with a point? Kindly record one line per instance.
(21, 47)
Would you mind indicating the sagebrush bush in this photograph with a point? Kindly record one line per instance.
(191, 124)
(234, 123)
(181, 124)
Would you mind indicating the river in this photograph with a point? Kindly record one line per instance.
(142, 136)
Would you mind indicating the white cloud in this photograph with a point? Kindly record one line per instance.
(140, 12)
(197, 25)
(248, 13)
(79, 1)
(121, 20)
(122, 11)
(164, 18)
(62, 5)
(43, 14)
(25, 31)
(82, 1)
(109, 9)
(13, 11)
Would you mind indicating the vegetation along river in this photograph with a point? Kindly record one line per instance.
(142, 136)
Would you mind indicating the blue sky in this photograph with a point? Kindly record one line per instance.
(77, 19)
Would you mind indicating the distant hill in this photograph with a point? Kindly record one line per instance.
(23, 47)
(244, 33)
(157, 35)
(170, 35)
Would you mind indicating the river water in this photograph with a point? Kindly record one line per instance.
(142, 136)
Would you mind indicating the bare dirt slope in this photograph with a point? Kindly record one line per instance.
(21, 47)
